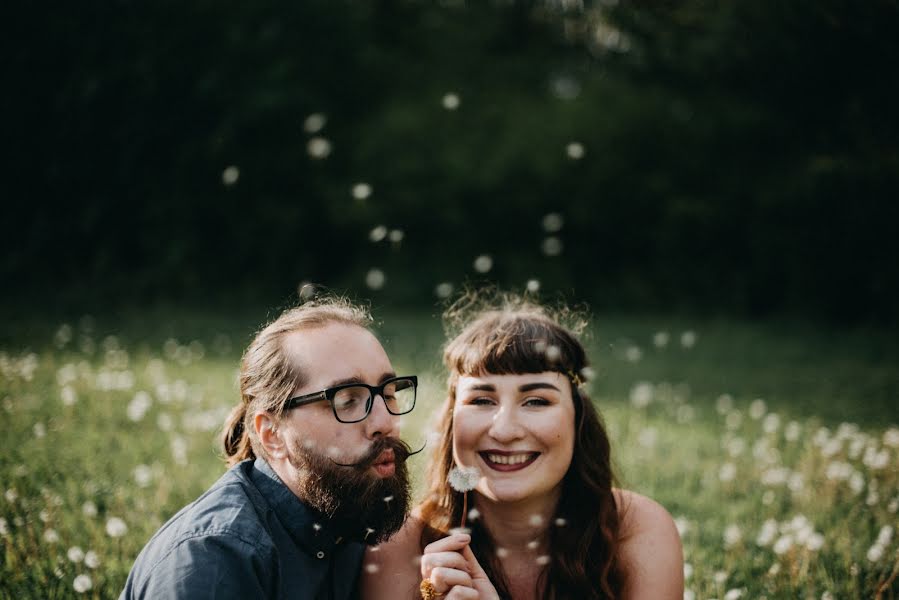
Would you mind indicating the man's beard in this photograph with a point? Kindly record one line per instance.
(358, 504)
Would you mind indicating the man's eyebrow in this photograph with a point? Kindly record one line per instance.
(358, 379)
(529, 387)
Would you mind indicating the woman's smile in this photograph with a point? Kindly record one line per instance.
(500, 460)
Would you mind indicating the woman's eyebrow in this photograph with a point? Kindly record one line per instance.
(529, 387)
(483, 387)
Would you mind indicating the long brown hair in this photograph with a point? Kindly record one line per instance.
(268, 375)
(504, 334)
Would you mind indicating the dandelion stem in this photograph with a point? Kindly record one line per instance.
(464, 507)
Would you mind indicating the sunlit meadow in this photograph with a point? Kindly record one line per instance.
(774, 447)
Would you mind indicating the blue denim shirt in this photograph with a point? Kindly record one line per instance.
(248, 536)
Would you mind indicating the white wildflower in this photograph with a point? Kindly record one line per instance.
(464, 479)
(82, 583)
(116, 527)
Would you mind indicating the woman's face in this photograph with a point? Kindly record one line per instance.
(518, 430)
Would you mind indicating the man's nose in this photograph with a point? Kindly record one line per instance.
(380, 422)
(505, 426)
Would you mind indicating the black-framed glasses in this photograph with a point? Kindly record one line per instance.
(351, 402)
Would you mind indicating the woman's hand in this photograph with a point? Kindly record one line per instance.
(454, 572)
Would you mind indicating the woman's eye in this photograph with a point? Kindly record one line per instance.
(536, 402)
(481, 401)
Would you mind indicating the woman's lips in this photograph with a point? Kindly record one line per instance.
(504, 461)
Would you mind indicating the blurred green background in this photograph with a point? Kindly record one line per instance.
(736, 158)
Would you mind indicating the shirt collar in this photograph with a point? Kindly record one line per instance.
(312, 531)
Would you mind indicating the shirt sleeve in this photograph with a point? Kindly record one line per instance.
(211, 567)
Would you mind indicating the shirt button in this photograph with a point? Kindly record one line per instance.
(320, 554)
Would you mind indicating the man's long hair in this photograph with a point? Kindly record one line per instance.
(511, 336)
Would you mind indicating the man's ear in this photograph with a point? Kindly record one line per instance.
(269, 435)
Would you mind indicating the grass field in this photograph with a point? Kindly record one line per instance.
(774, 445)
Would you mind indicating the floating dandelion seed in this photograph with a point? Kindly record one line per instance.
(388, 499)
(318, 148)
(361, 191)
(230, 175)
(575, 150)
(551, 246)
(532, 286)
(316, 527)
(372, 568)
(532, 545)
(451, 101)
(396, 235)
(660, 339)
(82, 583)
(543, 560)
(474, 514)
(443, 290)
(377, 234)
(553, 222)
(368, 532)
(502, 553)
(553, 353)
(116, 527)
(560, 522)
(483, 263)
(375, 279)
(535, 520)
(688, 339)
(314, 123)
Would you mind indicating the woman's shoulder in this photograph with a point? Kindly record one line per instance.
(650, 548)
(639, 514)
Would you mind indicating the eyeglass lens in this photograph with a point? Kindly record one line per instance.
(350, 403)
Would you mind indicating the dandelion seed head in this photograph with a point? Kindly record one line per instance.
(732, 536)
(75, 554)
(82, 583)
(116, 527)
(464, 479)
(50, 536)
(757, 409)
(875, 553)
(719, 577)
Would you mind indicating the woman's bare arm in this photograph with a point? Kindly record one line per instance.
(651, 551)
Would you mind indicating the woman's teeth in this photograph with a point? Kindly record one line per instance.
(513, 459)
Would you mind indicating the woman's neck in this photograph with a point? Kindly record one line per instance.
(519, 526)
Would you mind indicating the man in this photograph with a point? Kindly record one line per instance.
(318, 470)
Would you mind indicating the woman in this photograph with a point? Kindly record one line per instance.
(544, 518)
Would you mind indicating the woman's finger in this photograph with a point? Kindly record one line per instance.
(462, 593)
(451, 543)
(452, 560)
(444, 578)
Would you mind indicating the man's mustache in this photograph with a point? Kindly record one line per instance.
(401, 451)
